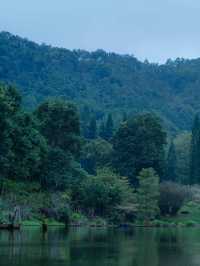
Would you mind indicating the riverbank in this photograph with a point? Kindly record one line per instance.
(57, 209)
(188, 216)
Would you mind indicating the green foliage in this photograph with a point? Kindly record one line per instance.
(171, 164)
(105, 81)
(78, 219)
(59, 124)
(139, 143)
(92, 129)
(22, 147)
(9, 106)
(43, 149)
(102, 130)
(148, 195)
(182, 145)
(107, 134)
(96, 153)
(195, 153)
(28, 150)
(100, 194)
(56, 172)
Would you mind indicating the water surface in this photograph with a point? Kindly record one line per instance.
(101, 247)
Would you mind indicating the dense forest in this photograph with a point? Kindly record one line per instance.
(102, 82)
(50, 170)
(88, 136)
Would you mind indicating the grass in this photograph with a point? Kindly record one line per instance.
(39, 223)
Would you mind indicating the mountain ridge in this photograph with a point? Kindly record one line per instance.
(106, 82)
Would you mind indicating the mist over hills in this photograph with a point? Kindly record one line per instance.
(105, 82)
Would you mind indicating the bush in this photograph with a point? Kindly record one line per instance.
(98, 195)
(172, 197)
(190, 223)
(60, 207)
(78, 218)
(98, 222)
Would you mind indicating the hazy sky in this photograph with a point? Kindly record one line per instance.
(152, 29)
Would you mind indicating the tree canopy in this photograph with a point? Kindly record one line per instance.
(139, 143)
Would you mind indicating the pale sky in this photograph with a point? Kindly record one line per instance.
(152, 29)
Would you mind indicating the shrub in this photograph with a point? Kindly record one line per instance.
(172, 197)
(190, 223)
(98, 195)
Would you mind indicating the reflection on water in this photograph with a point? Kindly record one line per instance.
(99, 247)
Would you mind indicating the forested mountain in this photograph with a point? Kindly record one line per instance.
(105, 82)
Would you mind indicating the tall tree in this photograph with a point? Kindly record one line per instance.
(171, 164)
(139, 143)
(85, 117)
(195, 153)
(29, 149)
(182, 144)
(148, 195)
(102, 130)
(109, 128)
(124, 116)
(10, 102)
(92, 129)
(22, 147)
(59, 123)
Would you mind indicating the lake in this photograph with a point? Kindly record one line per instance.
(101, 247)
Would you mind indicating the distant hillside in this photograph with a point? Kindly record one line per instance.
(106, 82)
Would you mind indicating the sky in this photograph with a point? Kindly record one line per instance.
(148, 29)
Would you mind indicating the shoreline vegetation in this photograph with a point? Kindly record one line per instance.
(56, 170)
(100, 223)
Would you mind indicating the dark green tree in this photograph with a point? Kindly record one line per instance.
(96, 154)
(195, 153)
(92, 129)
(29, 149)
(22, 147)
(59, 124)
(88, 158)
(182, 144)
(124, 117)
(102, 130)
(57, 170)
(85, 117)
(171, 165)
(139, 143)
(109, 127)
(10, 102)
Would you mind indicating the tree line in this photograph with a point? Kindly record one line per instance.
(106, 82)
(126, 172)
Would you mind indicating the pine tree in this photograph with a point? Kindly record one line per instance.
(85, 117)
(89, 164)
(195, 153)
(171, 164)
(109, 128)
(92, 129)
(124, 117)
(102, 130)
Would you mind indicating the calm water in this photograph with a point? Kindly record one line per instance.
(101, 247)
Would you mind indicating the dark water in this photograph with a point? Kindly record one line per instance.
(101, 247)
